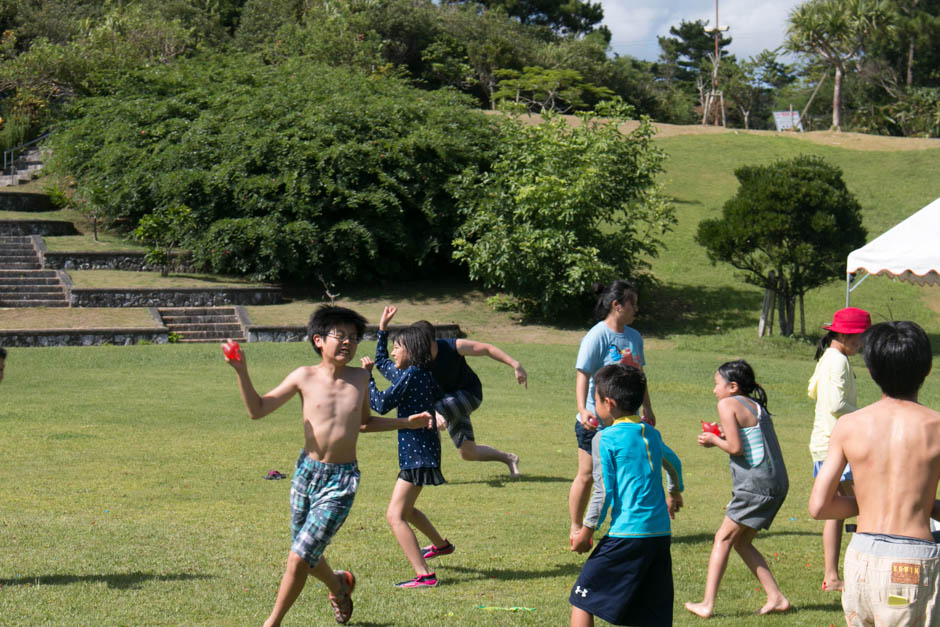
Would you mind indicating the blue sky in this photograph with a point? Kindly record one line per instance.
(755, 24)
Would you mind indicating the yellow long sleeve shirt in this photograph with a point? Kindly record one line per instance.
(832, 386)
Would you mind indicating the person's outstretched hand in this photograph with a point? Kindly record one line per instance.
(424, 420)
(367, 363)
(387, 314)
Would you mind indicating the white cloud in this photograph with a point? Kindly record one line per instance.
(635, 24)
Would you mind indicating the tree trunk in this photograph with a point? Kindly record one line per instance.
(910, 62)
(837, 98)
(910, 51)
(786, 304)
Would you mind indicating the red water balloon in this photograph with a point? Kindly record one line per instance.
(232, 350)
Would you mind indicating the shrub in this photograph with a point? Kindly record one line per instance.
(563, 207)
(349, 154)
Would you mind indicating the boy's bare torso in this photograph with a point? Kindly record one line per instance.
(333, 407)
(893, 447)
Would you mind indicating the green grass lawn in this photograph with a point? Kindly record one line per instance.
(130, 481)
(131, 493)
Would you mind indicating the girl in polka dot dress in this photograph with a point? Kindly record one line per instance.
(419, 450)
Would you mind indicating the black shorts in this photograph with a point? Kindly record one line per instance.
(584, 436)
(627, 581)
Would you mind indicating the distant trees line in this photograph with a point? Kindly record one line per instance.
(869, 65)
(333, 142)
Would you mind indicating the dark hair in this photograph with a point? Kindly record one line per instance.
(328, 317)
(415, 340)
(3, 353)
(616, 292)
(427, 327)
(740, 372)
(898, 356)
(824, 343)
(626, 385)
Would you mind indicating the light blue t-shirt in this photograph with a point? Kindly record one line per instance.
(601, 347)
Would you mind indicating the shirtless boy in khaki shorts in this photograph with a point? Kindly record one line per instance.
(892, 565)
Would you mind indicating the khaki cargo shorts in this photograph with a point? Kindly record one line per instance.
(891, 581)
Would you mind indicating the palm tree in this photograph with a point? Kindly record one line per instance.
(836, 31)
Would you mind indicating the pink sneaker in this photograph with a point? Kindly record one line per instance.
(434, 551)
(421, 581)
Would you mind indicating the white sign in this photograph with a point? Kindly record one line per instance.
(788, 121)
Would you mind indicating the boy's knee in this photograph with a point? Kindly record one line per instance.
(297, 563)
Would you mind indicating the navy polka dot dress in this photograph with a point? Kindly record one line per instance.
(414, 391)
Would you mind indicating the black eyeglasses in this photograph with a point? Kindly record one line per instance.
(342, 337)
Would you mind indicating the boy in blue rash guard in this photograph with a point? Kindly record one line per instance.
(627, 580)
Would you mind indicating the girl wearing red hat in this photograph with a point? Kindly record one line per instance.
(832, 386)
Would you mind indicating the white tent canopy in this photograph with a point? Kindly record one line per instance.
(908, 252)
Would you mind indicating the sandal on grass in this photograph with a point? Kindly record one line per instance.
(342, 603)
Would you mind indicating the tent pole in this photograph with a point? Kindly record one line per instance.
(848, 282)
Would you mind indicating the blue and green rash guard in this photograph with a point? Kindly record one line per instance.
(632, 462)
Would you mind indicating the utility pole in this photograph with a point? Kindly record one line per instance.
(715, 96)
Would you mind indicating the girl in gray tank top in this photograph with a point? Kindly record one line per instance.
(759, 482)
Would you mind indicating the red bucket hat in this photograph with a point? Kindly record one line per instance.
(849, 320)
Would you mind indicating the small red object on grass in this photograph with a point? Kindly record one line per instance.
(711, 427)
(232, 350)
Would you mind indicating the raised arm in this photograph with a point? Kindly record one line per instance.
(469, 348)
(259, 406)
(382, 361)
(824, 503)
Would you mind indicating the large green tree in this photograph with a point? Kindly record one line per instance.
(836, 33)
(788, 228)
(687, 51)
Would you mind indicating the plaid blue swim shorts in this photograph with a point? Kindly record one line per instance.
(321, 496)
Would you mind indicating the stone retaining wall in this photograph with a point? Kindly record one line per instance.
(25, 201)
(160, 335)
(128, 260)
(37, 227)
(299, 333)
(176, 297)
(83, 337)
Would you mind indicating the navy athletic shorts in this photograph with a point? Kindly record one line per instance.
(627, 581)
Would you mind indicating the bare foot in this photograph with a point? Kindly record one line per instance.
(513, 465)
(777, 605)
(699, 609)
(835, 585)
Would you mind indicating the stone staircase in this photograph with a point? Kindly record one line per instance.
(23, 282)
(203, 324)
(23, 169)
